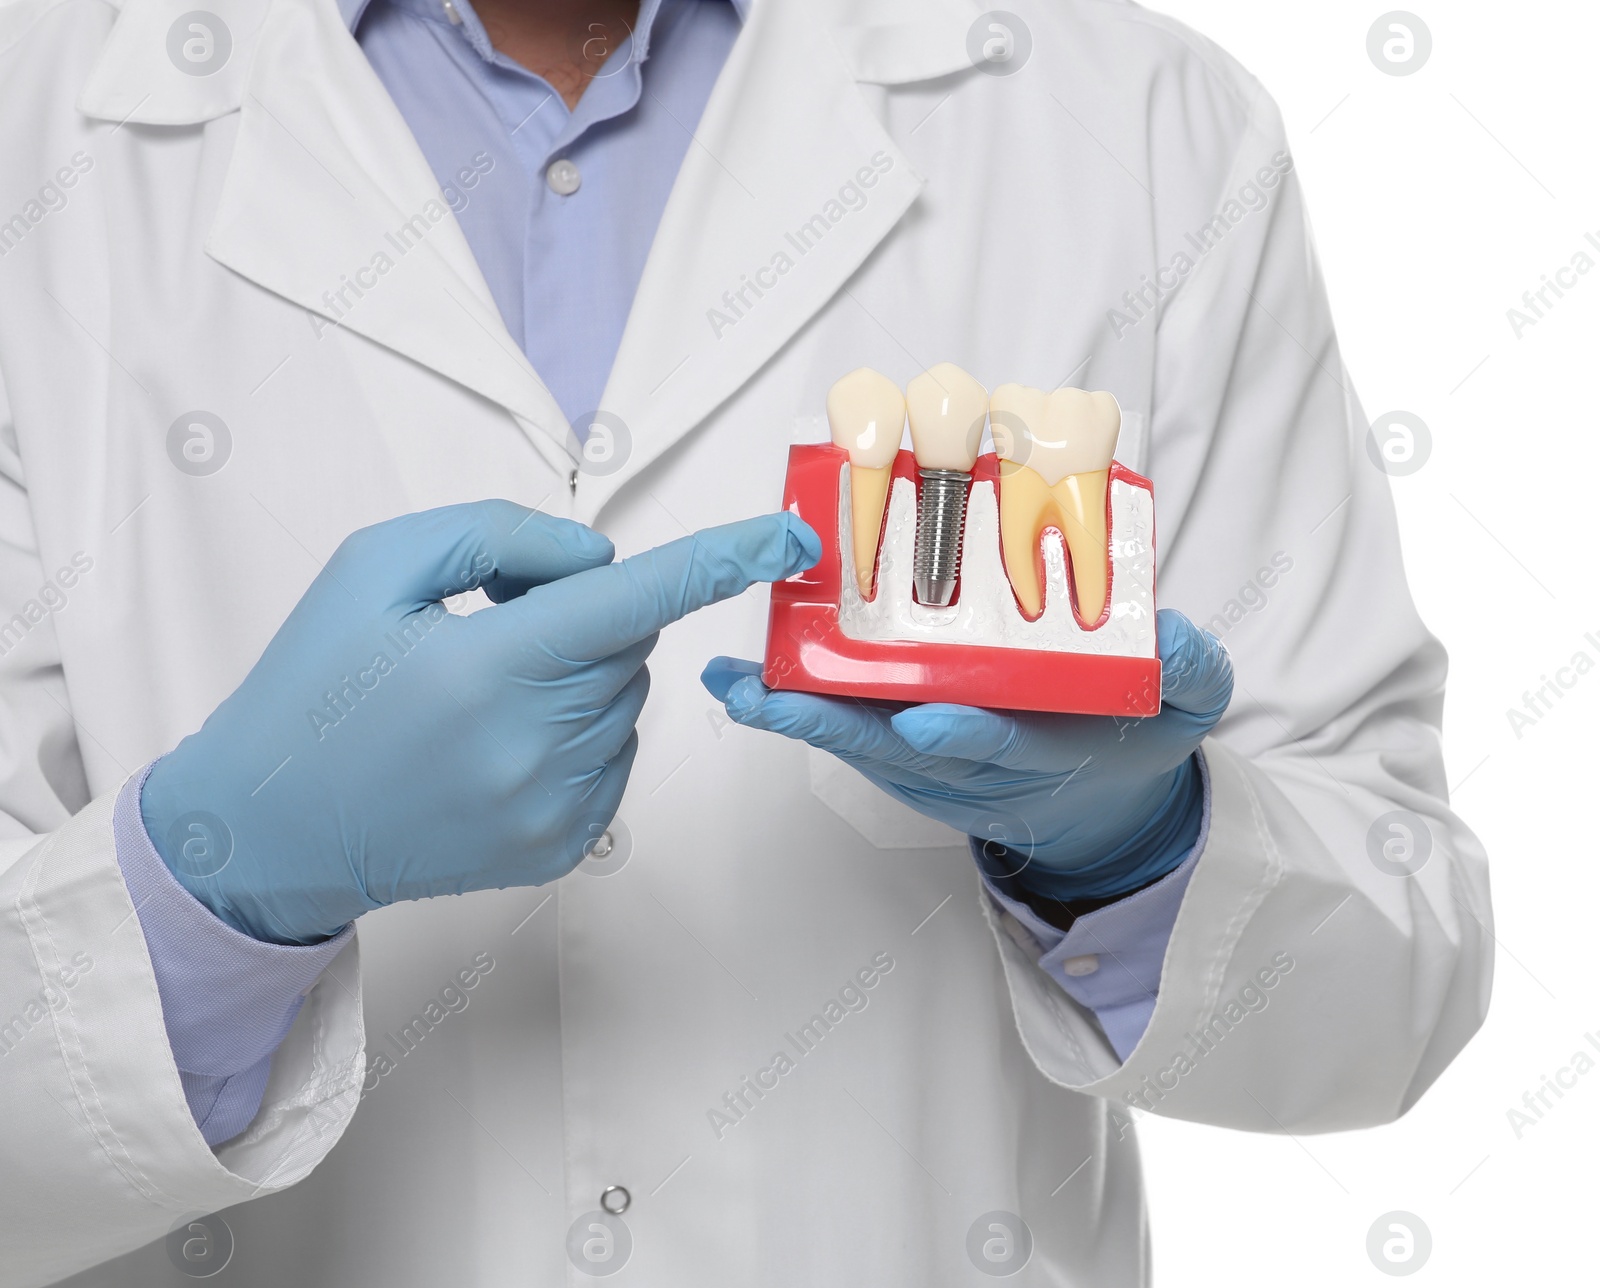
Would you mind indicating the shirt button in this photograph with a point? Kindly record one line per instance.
(1076, 966)
(563, 177)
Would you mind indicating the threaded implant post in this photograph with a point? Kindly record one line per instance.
(941, 511)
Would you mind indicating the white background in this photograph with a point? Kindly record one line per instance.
(1437, 199)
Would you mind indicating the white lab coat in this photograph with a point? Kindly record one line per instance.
(190, 265)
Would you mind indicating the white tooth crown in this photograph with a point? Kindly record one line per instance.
(1069, 431)
(867, 416)
(946, 408)
(1014, 412)
(1081, 429)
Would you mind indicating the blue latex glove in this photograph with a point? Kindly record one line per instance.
(1081, 806)
(383, 749)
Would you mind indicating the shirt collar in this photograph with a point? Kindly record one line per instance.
(352, 10)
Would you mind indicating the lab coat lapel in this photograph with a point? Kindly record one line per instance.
(329, 202)
(328, 187)
(770, 216)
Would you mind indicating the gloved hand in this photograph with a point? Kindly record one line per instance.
(1086, 806)
(384, 749)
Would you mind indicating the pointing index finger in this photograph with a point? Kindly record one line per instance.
(593, 614)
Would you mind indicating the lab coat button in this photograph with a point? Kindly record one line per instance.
(602, 846)
(1081, 965)
(563, 177)
(615, 1200)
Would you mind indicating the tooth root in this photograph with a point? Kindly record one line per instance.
(869, 492)
(867, 416)
(1025, 506)
(1077, 507)
(1081, 501)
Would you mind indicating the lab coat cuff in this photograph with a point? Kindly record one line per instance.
(1110, 959)
(1217, 887)
(227, 999)
(100, 1053)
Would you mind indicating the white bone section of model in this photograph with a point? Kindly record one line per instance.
(986, 612)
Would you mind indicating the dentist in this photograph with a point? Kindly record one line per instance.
(358, 878)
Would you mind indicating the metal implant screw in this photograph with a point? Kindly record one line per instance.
(941, 511)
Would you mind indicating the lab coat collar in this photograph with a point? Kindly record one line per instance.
(328, 201)
(325, 176)
(899, 42)
(885, 42)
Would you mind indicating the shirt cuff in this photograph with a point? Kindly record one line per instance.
(1110, 959)
(227, 1000)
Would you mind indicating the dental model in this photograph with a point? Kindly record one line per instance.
(1018, 580)
(1055, 459)
(946, 408)
(866, 415)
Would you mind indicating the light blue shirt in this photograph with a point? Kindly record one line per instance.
(562, 253)
(563, 267)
